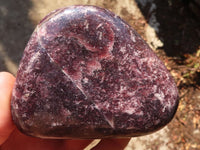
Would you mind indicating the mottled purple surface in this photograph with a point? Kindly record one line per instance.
(86, 73)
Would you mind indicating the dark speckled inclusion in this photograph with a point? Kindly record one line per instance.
(86, 73)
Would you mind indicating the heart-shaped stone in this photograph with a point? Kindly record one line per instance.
(86, 73)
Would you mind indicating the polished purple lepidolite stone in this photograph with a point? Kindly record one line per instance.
(86, 73)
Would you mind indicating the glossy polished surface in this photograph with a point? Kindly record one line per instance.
(86, 73)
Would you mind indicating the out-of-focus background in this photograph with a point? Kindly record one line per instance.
(170, 27)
